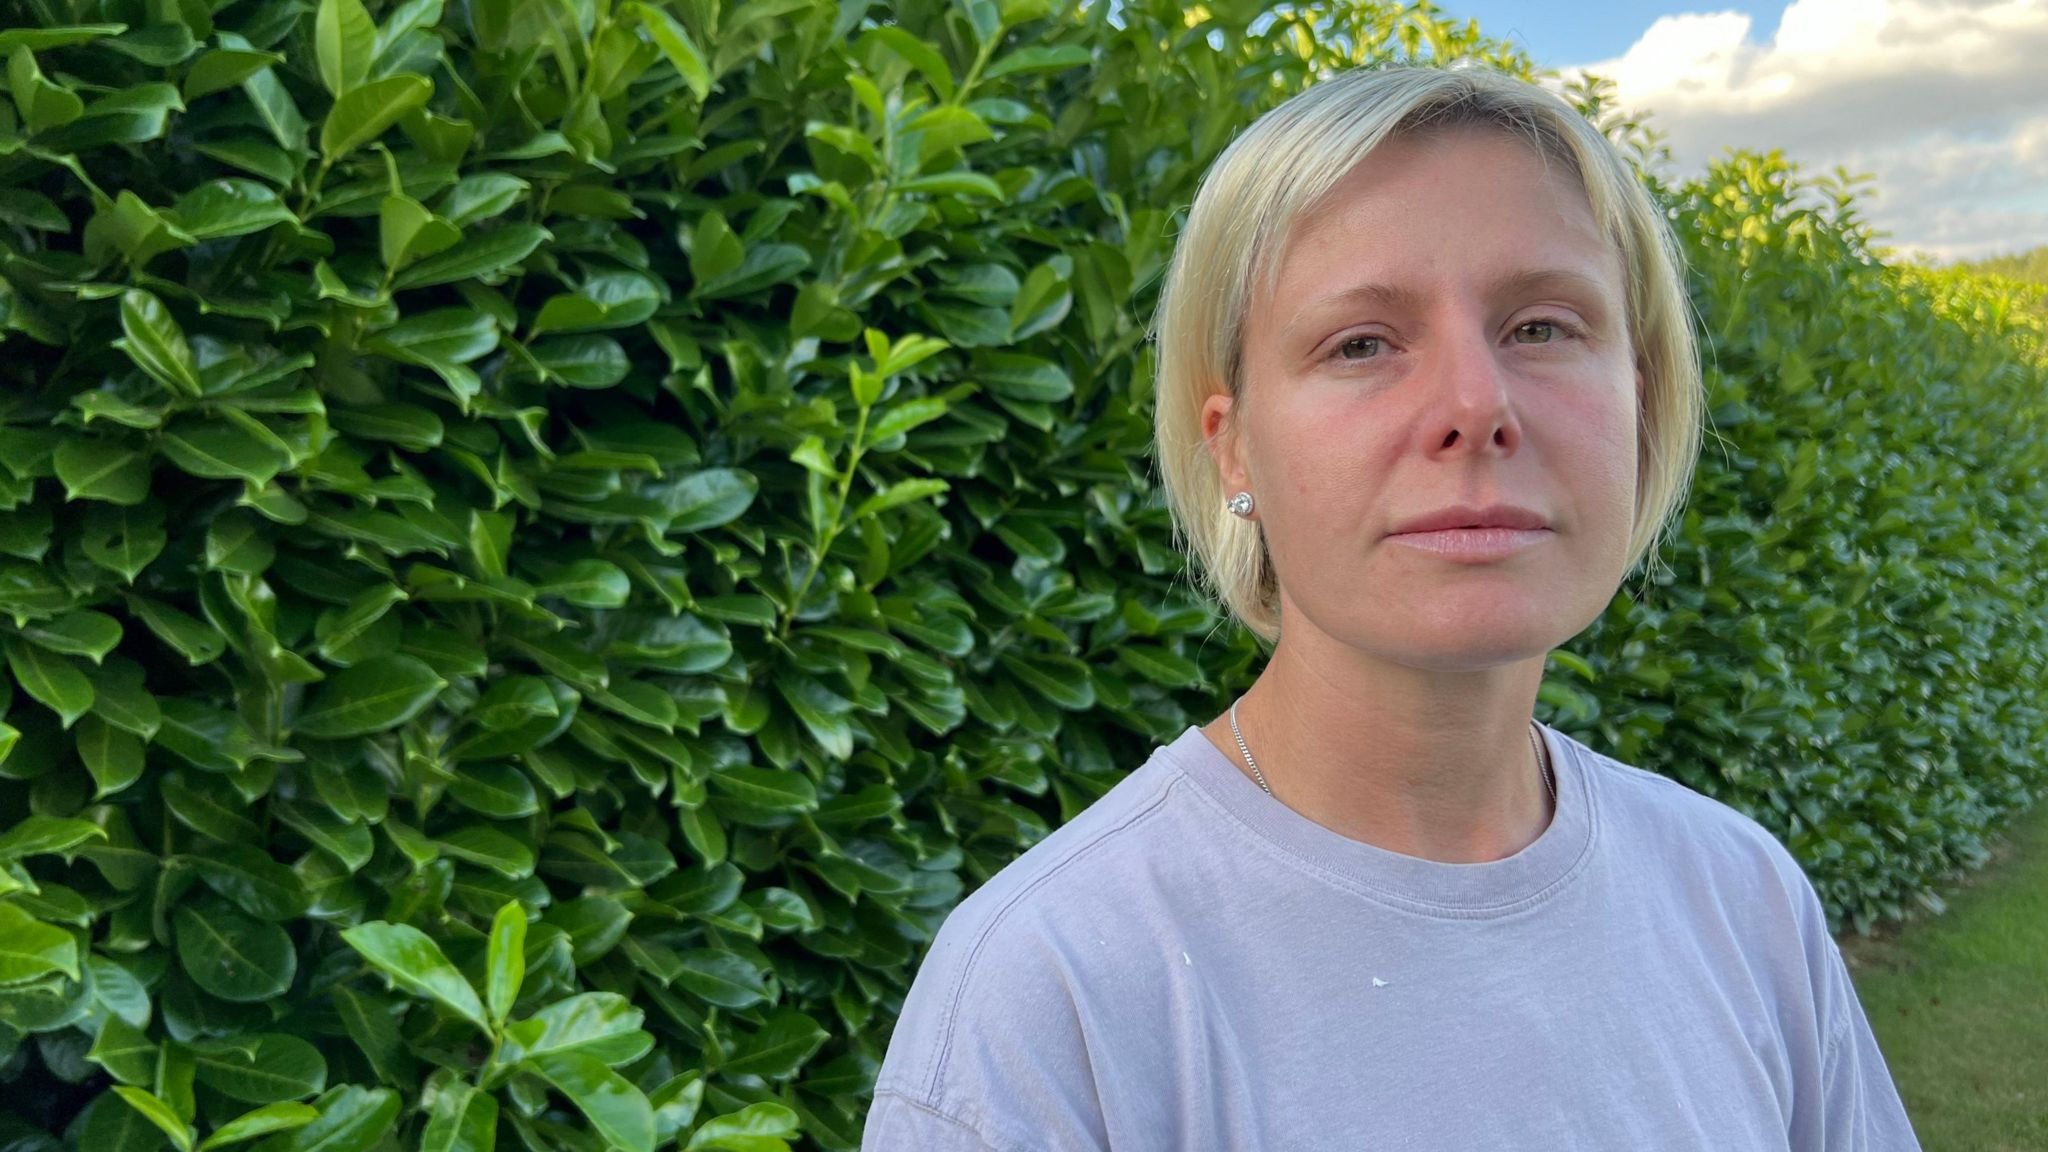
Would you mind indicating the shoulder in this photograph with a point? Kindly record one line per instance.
(997, 985)
(1658, 817)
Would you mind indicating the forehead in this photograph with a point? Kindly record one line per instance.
(1459, 207)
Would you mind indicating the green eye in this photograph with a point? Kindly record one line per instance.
(1556, 329)
(1373, 340)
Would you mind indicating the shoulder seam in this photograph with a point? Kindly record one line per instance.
(1834, 1043)
(937, 1114)
(929, 1081)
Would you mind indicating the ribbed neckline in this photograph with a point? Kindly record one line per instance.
(1432, 887)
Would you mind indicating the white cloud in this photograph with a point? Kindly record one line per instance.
(1945, 102)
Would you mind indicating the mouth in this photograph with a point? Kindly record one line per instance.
(1475, 543)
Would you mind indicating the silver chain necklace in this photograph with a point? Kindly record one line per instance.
(1542, 761)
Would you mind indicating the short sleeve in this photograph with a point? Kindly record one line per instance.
(897, 1123)
(989, 1050)
(1861, 1109)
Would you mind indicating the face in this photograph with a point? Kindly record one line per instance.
(1449, 328)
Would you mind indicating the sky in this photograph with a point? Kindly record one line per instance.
(1944, 102)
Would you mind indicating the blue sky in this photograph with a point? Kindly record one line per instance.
(1561, 34)
(1943, 102)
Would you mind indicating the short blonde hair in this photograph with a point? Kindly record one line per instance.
(1244, 211)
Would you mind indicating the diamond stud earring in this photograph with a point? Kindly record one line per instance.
(1241, 504)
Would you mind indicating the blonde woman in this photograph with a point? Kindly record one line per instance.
(1427, 392)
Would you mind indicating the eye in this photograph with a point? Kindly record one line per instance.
(1374, 341)
(1551, 331)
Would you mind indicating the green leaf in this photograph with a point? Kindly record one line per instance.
(30, 948)
(489, 848)
(409, 231)
(239, 542)
(40, 835)
(109, 1123)
(117, 990)
(229, 207)
(352, 1119)
(120, 698)
(222, 68)
(363, 113)
(721, 978)
(407, 425)
(210, 738)
(124, 540)
(152, 339)
(345, 42)
(506, 959)
(261, 1068)
(158, 1113)
(778, 1048)
(52, 680)
(83, 633)
(714, 250)
(484, 257)
(415, 963)
(440, 339)
(221, 450)
(43, 105)
(768, 788)
(102, 470)
(616, 1110)
(1040, 58)
(347, 842)
(602, 1025)
(919, 55)
(589, 584)
(124, 1051)
(746, 1128)
(605, 300)
(232, 956)
(901, 492)
(112, 756)
(270, 1118)
(378, 694)
(459, 1119)
(583, 361)
(675, 43)
(196, 642)
(702, 500)
(247, 875)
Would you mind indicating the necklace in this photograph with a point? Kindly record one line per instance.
(1542, 761)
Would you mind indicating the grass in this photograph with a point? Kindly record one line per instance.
(1959, 1002)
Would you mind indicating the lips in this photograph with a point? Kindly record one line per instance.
(1470, 516)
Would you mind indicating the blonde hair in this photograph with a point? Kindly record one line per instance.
(1244, 211)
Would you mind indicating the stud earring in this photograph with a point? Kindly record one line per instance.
(1241, 504)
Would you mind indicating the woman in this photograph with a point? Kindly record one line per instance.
(1427, 392)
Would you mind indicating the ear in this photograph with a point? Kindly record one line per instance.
(1220, 437)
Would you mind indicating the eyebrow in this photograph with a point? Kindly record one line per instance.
(1515, 283)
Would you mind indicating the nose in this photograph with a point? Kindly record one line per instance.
(1465, 390)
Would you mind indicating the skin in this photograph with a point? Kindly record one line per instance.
(1395, 708)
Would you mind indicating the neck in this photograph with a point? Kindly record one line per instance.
(1426, 763)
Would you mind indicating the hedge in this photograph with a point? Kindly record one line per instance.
(545, 545)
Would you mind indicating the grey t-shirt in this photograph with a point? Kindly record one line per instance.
(1189, 964)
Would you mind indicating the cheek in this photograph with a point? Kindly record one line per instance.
(1603, 449)
(1319, 455)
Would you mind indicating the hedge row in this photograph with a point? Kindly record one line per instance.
(544, 545)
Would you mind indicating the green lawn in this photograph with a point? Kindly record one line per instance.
(1959, 1003)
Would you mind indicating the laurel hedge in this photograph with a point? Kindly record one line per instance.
(545, 544)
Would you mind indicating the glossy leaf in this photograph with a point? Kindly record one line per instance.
(505, 962)
(372, 696)
(232, 956)
(415, 963)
